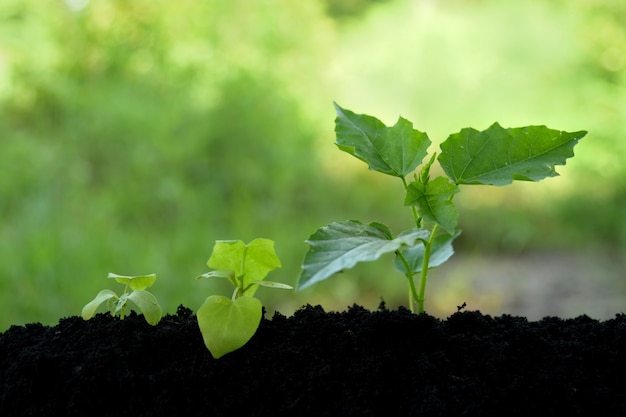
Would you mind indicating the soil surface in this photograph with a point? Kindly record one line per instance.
(314, 363)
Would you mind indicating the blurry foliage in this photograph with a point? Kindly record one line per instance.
(150, 130)
(470, 63)
(604, 38)
(342, 9)
(134, 134)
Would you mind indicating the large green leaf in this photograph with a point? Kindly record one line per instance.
(250, 263)
(497, 156)
(395, 150)
(226, 325)
(341, 245)
(433, 200)
(440, 252)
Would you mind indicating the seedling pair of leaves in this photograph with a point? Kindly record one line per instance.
(495, 156)
(135, 291)
(229, 323)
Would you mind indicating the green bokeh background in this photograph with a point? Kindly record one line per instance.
(133, 134)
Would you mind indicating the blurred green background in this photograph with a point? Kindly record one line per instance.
(133, 134)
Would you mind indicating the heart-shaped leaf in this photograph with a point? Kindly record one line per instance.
(226, 324)
(341, 245)
(498, 156)
(395, 150)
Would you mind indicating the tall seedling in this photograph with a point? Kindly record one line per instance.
(495, 156)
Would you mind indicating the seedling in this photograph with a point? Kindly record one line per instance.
(229, 323)
(134, 291)
(495, 156)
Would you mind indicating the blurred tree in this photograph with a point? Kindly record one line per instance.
(604, 38)
(136, 133)
(341, 9)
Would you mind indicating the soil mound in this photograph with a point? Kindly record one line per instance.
(317, 363)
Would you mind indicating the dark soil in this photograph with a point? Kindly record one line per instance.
(356, 363)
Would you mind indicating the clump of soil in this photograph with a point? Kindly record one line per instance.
(316, 363)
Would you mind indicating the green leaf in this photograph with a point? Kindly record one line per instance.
(90, 309)
(425, 171)
(138, 282)
(396, 150)
(251, 262)
(227, 255)
(229, 275)
(441, 251)
(227, 325)
(261, 259)
(148, 305)
(433, 200)
(498, 156)
(341, 245)
(273, 284)
(118, 305)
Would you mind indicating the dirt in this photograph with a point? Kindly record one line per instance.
(317, 363)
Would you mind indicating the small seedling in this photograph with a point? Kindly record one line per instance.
(134, 291)
(229, 323)
(495, 156)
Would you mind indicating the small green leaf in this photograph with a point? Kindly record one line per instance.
(148, 305)
(227, 325)
(498, 156)
(229, 275)
(90, 309)
(273, 284)
(117, 305)
(425, 171)
(395, 150)
(227, 255)
(251, 262)
(434, 202)
(138, 282)
(341, 245)
(261, 259)
(441, 251)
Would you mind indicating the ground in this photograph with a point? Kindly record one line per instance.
(317, 363)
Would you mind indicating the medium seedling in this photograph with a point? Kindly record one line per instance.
(229, 323)
(495, 156)
(134, 291)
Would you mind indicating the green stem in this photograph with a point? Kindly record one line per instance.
(416, 217)
(409, 276)
(425, 265)
(123, 309)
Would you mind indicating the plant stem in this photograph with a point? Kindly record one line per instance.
(407, 268)
(123, 309)
(425, 265)
(416, 217)
(409, 276)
